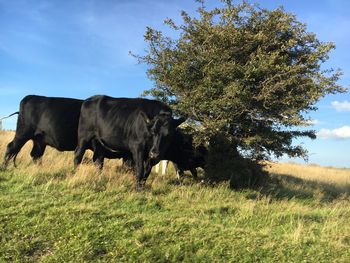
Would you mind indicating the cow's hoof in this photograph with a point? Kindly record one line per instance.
(139, 188)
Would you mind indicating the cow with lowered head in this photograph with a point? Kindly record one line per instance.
(184, 155)
(140, 128)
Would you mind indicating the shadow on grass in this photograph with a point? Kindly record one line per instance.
(186, 181)
(283, 186)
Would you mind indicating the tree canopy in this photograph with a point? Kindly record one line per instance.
(245, 73)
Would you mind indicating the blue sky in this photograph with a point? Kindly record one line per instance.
(80, 48)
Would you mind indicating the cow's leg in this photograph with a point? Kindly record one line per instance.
(194, 173)
(147, 170)
(38, 150)
(79, 152)
(13, 149)
(98, 157)
(179, 172)
(98, 160)
(137, 156)
(129, 163)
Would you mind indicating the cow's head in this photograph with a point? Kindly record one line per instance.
(161, 130)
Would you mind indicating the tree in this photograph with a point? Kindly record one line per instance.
(241, 72)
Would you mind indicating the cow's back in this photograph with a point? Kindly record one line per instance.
(117, 118)
(53, 119)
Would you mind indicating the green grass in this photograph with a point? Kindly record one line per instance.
(66, 217)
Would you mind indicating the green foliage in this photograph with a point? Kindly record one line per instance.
(224, 163)
(243, 72)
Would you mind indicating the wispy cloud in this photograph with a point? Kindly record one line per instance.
(341, 106)
(339, 133)
(311, 122)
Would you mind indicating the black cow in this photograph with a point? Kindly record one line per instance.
(184, 155)
(140, 128)
(46, 121)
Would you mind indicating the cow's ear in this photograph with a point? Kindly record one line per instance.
(179, 121)
(145, 117)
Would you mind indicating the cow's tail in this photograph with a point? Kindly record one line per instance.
(17, 112)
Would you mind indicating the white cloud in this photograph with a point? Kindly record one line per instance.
(341, 106)
(339, 133)
(312, 122)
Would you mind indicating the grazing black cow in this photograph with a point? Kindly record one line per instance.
(140, 128)
(45, 121)
(184, 155)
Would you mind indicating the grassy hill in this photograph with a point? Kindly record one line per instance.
(50, 213)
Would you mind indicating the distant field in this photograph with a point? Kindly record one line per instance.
(329, 175)
(51, 213)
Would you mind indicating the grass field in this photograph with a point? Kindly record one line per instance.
(50, 213)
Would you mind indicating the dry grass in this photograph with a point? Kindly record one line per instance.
(310, 182)
(87, 215)
(54, 161)
(312, 172)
